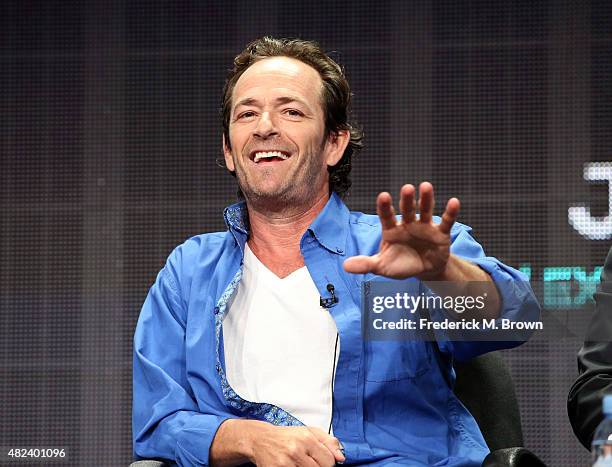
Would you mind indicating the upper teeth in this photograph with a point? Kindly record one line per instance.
(265, 155)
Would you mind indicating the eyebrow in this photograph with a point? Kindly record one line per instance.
(278, 101)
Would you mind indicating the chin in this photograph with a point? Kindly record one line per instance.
(265, 193)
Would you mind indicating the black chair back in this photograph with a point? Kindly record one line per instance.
(485, 387)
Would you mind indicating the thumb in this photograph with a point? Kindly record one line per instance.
(361, 264)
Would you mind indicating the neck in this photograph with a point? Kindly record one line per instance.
(282, 229)
(275, 236)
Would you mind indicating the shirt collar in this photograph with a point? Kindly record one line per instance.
(330, 227)
(237, 220)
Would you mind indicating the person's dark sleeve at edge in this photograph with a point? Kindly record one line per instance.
(594, 364)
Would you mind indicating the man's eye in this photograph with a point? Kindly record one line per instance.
(293, 113)
(247, 114)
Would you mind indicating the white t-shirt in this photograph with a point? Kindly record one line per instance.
(279, 343)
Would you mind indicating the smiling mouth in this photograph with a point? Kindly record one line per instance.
(268, 156)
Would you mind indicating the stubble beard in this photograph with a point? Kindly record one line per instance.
(294, 191)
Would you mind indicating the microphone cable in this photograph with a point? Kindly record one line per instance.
(331, 418)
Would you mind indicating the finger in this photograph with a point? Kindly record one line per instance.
(385, 211)
(321, 455)
(331, 442)
(450, 215)
(361, 264)
(336, 450)
(408, 203)
(426, 202)
(308, 461)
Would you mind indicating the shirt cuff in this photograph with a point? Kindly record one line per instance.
(195, 438)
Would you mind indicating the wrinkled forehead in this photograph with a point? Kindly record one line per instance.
(279, 75)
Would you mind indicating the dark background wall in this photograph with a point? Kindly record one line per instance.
(109, 135)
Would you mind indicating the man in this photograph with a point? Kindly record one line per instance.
(249, 345)
(594, 364)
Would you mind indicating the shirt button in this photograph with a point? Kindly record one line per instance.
(216, 310)
(339, 250)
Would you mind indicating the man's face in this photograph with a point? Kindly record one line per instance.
(277, 133)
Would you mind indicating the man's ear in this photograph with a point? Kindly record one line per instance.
(227, 153)
(335, 145)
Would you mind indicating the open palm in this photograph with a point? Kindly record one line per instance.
(411, 247)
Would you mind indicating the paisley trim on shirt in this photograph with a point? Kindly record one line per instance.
(237, 217)
(259, 410)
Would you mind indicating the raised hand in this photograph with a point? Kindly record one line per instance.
(411, 247)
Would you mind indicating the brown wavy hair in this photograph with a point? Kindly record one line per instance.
(336, 96)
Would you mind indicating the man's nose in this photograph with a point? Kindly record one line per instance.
(265, 126)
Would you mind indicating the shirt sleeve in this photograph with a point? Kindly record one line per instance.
(594, 364)
(167, 422)
(518, 302)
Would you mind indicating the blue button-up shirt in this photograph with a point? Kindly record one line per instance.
(393, 400)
